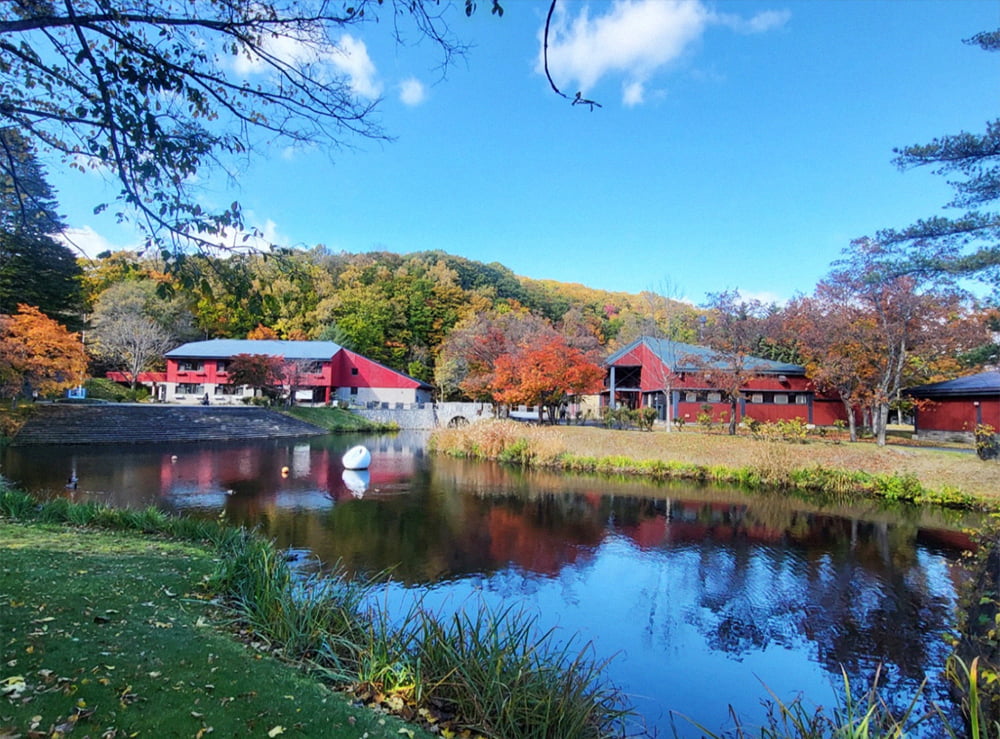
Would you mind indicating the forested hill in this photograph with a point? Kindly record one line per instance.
(395, 308)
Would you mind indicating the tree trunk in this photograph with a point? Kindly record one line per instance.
(852, 423)
(732, 418)
(881, 420)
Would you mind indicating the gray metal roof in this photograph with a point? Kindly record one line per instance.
(681, 357)
(985, 383)
(225, 348)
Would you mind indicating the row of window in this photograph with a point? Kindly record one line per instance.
(760, 398)
(191, 388)
(222, 365)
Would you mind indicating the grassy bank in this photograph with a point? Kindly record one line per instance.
(116, 633)
(904, 473)
(109, 634)
(337, 420)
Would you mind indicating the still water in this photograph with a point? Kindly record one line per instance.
(706, 598)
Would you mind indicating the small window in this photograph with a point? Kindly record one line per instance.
(690, 397)
(780, 399)
(715, 397)
(757, 398)
(220, 366)
(802, 400)
(354, 370)
(354, 391)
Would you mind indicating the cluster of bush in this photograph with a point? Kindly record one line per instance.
(629, 418)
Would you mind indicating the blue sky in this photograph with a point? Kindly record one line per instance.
(740, 145)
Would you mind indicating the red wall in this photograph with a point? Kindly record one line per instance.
(825, 409)
(370, 374)
(958, 414)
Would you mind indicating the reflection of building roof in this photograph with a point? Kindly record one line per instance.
(225, 348)
(985, 383)
(681, 357)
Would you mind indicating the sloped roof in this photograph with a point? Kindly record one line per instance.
(225, 348)
(985, 383)
(681, 357)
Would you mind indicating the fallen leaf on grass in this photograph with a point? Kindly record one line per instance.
(13, 686)
(275, 731)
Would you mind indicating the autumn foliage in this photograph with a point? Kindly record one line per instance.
(38, 354)
(544, 375)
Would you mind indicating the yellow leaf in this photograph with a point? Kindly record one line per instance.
(408, 732)
(275, 731)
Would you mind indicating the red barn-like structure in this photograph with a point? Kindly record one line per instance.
(951, 410)
(641, 375)
(318, 371)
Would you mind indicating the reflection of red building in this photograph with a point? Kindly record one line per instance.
(638, 376)
(318, 371)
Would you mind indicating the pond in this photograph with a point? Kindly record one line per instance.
(705, 598)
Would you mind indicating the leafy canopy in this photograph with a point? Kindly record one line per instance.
(155, 92)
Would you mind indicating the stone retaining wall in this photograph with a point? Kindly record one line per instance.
(426, 415)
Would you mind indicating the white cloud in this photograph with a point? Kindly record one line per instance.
(85, 241)
(266, 235)
(634, 39)
(412, 91)
(351, 58)
(765, 21)
(633, 93)
(348, 57)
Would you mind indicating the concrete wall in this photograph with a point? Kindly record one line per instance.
(426, 415)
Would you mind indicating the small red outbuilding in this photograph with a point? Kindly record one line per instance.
(951, 410)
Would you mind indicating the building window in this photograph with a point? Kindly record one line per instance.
(802, 399)
(780, 399)
(690, 397)
(220, 366)
(354, 370)
(757, 398)
(354, 391)
(189, 365)
(715, 397)
(190, 388)
(229, 389)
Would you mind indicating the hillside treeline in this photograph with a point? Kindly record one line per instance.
(394, 308)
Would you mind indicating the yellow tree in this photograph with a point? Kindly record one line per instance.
(38, 354)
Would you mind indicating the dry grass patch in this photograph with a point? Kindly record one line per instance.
(773, 461)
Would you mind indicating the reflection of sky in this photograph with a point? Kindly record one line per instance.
(683, 642)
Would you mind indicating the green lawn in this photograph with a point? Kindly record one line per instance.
(334, 419)
(111, 634)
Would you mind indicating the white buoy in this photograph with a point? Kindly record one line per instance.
(356, 481)
(357, 458)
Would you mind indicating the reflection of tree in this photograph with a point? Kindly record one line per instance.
(857, 607)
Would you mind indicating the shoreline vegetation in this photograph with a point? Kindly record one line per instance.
(772, 458)
(476, 675)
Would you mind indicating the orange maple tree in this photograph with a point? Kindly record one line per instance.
(544, 375)
(38, 354)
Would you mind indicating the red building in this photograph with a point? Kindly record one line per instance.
(951, 410)
(647, 370)
(317, 371)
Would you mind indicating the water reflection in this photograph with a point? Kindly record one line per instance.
(706, 595)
